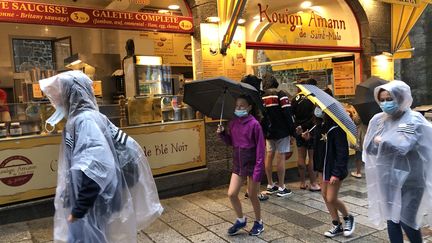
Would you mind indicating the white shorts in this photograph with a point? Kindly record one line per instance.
(282, 145)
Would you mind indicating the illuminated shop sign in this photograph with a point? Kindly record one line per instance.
(296, 20)
(40, 13)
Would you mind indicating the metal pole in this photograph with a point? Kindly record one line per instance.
(223, 104)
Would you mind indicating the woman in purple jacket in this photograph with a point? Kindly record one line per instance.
(246, 136)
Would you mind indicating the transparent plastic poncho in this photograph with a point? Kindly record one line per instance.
(397, 152)
(91, 144)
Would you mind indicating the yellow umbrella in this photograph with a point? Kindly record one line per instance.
(332, 108)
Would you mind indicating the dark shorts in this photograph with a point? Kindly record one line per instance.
(358, 155)
(244, 161)
(303, 143)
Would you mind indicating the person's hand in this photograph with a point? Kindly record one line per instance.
(333, 180)
(377, 139)
(71, 218)
(220, 129)
(306, 135)
(299, 130)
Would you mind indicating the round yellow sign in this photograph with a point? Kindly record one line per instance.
(185, 25)
(80, 17)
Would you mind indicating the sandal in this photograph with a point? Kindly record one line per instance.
(304, 187)
(315, 188)
(356, 175)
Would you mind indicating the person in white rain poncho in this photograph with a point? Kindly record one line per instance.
(105, 189)
(397, 152)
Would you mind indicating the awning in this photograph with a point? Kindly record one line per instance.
(229, 12)
(404, 18)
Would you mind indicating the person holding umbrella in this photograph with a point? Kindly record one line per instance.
(397, 155)
(246, 136)
(335, 128)
(302, 110)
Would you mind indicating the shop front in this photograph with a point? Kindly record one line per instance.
(295, 40)
(139, 54)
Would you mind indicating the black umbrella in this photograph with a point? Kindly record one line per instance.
(215, 97)
(364, 100)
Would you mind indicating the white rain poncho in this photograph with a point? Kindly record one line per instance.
(91, 144)
(397, 152)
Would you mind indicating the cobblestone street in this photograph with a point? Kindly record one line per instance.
(205, 217)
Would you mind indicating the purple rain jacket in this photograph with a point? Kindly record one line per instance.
(246, 136)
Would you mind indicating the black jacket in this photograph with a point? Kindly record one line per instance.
(335, 151)
(278, 111)
(87, 194)
(319, 146)
(302, 111)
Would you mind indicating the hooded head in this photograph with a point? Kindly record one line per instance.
(400, 93)
(252, 80)
(69, 92)
(269, 82)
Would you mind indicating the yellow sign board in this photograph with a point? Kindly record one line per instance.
(97, 88)
(212, 59)
(344, 81)
(37, 92)
(28, 168)
(172, 147)
(232, 65)
(383, 67)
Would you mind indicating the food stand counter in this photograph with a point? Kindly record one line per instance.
(28, 164)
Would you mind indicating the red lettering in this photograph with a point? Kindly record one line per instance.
(263, 12)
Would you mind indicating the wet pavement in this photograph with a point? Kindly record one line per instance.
(205, 217)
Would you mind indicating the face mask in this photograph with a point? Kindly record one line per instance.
(318, 112)
(241, 113)
(389, 107)
(56, 117)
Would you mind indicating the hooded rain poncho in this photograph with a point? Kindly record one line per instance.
(92, 145)
(397, 152)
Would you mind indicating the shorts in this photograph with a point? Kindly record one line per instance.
(282, 145)
(358, 155)
(303, 143)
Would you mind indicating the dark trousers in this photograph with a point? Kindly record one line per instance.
(395, 232)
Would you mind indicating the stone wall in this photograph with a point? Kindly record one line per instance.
(32, 53)
(374, 22)
(417, 71)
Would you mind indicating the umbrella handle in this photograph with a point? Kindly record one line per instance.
(223, 104)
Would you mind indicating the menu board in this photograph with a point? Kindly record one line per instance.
(212, 59)
(235, 60)
(233, 64)
(344, 81)
(175, 49)
(383, 67)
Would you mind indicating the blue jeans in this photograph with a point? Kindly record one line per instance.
(395, 232)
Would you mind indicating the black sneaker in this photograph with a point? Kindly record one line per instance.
(335, 230)
(283, 193)
(233, 230)
(271, 190)
(257, 229)
(349, 225)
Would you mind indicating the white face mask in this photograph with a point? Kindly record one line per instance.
(56, 117)
(318, 112)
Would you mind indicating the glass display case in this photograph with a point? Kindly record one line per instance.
(146, 76)
(29, 118)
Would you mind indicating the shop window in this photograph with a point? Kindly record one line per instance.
(29, 53)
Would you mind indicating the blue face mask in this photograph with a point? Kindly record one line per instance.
(389, 107)
(318, 112)
(241, 113)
